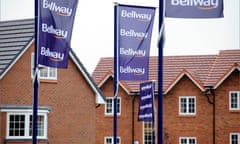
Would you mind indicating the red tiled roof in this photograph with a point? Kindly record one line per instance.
(197, 65)
(179, 76)
(222, 64)
(204, 70)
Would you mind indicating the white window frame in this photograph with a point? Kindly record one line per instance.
(112, 108)
(188, 139)
(187, 104)
(112, 139)
(41, 68)
(27, 114)
(238, 100)
(238, 137)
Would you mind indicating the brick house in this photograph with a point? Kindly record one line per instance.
(201, 101)
(67, 97)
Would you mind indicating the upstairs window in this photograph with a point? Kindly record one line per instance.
(234, 138)
(109, 140)
(187, 140)
(109, 106)
(45, 72)
(187, 105)
(234, 100)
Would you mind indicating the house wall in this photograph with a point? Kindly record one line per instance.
(2, 129)
(72, 101)
(125, 124)
(226, 121)
(174, 126)
(199, 125)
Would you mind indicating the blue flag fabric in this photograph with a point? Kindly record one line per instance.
(55, 29)
(135, 25)
(194, 8)
(146, 102)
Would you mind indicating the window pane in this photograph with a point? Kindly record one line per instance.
(108, 141)
(234, 139)
(191, 141)
(118, 105)
(191, 105)
(183, 105)
(16, 125)
(52, 72)
(183, 141)
(43, 72)
(147, 132)
(234, 100)
(40, 124)
(118, 141)
(109, 106)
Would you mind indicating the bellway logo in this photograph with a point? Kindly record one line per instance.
(132, 52)
(53, 55)
(200, 4)
(133, 33)
(129, 70)
(58, 33)
(135, 15)
(60, 10)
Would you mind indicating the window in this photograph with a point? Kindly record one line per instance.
(187, 140)
(147, 129)
(109, 107)
(19, 125)
(234, 138)
(109, 140)
(234, 100)
(45, 72)
(187, 105)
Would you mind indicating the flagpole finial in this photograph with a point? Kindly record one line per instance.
(116, 3)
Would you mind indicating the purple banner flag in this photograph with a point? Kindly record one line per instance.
(55, 30)
(146, 102)
(135, 25)
(194, 8)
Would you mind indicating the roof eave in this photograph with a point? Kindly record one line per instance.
(86, 75)
(17, 58)
(225, 75)
(179, 77)
(110, 75)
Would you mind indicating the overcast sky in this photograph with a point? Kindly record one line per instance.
(93, 29)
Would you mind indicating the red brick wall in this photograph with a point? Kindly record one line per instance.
(199, 126)
(226, 121)
(175, 126)
(73, 115)
(2, 127)
(105, 123)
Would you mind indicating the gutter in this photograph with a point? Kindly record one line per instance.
(210, 91)
(133, 102)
